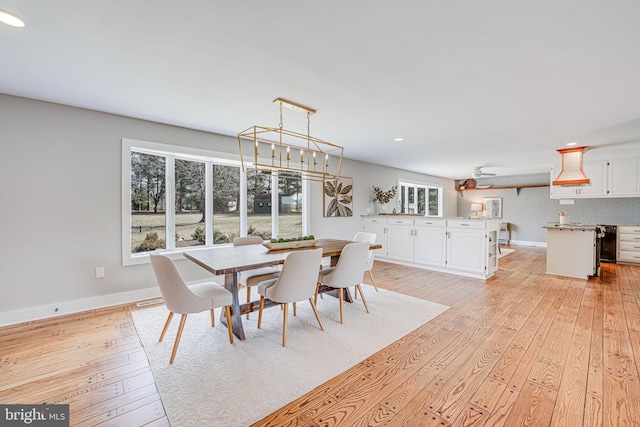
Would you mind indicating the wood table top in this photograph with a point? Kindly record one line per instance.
(232, 259)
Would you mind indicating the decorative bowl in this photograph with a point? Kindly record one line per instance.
(290, 245)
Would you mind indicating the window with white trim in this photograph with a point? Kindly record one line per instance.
(419, 198)
(176, 198)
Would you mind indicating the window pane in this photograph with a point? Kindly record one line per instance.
(290, 207)
(421, 200)
(411, 201)
(148, 218)
(226, 203)
(189, 193)
(433, 201)
(259, 205)
(403, 199)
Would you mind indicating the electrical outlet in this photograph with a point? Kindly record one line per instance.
(99, 272)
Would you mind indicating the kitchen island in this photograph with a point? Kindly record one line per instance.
(572, 250)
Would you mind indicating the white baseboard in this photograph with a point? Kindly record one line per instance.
(67, 307)
(525, 243)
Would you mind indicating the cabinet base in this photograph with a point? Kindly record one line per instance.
(438, 269)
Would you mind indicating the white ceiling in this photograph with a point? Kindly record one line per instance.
(497, 83)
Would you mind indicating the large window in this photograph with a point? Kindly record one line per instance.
(259, 206)
(290, 206)
(175, 198)
(419, 198)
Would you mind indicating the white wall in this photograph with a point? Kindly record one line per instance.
(365, 176)
(52, 241)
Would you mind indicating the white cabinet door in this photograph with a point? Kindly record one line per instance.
(466, 250)
(624, 177)
(399, 240)
(379, 228)
(430, 245)
(597, 174)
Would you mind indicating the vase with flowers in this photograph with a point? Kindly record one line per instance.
(382, 198)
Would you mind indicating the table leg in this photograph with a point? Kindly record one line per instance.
(231, 284)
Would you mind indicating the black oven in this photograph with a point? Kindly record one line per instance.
(608, 244)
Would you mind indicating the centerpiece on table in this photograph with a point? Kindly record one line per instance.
(293, 243)
(382, 199)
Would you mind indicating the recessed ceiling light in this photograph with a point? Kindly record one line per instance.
(11, 19)
(398, 139)
(571, 144)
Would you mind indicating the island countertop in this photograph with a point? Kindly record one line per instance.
(578, 226)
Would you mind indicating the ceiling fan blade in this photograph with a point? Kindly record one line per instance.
(477, 172)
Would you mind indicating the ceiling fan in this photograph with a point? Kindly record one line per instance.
(477, 172)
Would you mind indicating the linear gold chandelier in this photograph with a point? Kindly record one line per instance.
(290, 153)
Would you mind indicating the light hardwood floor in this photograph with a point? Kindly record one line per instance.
(522, 349)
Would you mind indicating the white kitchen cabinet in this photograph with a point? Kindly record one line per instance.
(629, 244)
(624, 177)
(378, 226)
(613, 178)
(430, 242)
(465, 247)
(400, 239)
(597, 174)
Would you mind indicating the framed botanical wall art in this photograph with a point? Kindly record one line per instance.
(338, 197)
(493, 207)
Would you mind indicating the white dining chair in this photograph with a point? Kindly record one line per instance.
(349, 271)
(370, 238)
(182, 299)
(251, 278)
(297, 282)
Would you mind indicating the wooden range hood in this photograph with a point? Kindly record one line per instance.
(572, 173)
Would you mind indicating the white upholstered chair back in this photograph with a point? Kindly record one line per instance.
(176, 294)
(364, 237)
(298, 278)
(249, 240)
(349, 271)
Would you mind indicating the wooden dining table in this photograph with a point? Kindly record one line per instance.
(230, 260)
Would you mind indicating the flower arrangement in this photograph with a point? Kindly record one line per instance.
(384, 197)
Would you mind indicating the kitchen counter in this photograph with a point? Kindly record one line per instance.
(574, 226)
(571, 250)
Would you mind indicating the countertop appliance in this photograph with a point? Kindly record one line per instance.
(608, 244)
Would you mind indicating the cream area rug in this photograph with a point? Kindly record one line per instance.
(215, 383)
(505, 252)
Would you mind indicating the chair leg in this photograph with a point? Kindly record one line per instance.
(227, 312)
(248, 298)
(183, 319)
(341, 293)
(284, 324)
(260, 311)
(295, 312)
(315, 297)
(355, 293)
(315, 311)
(364, 301)
(373, 281)
(166, 325)
(213, 321)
